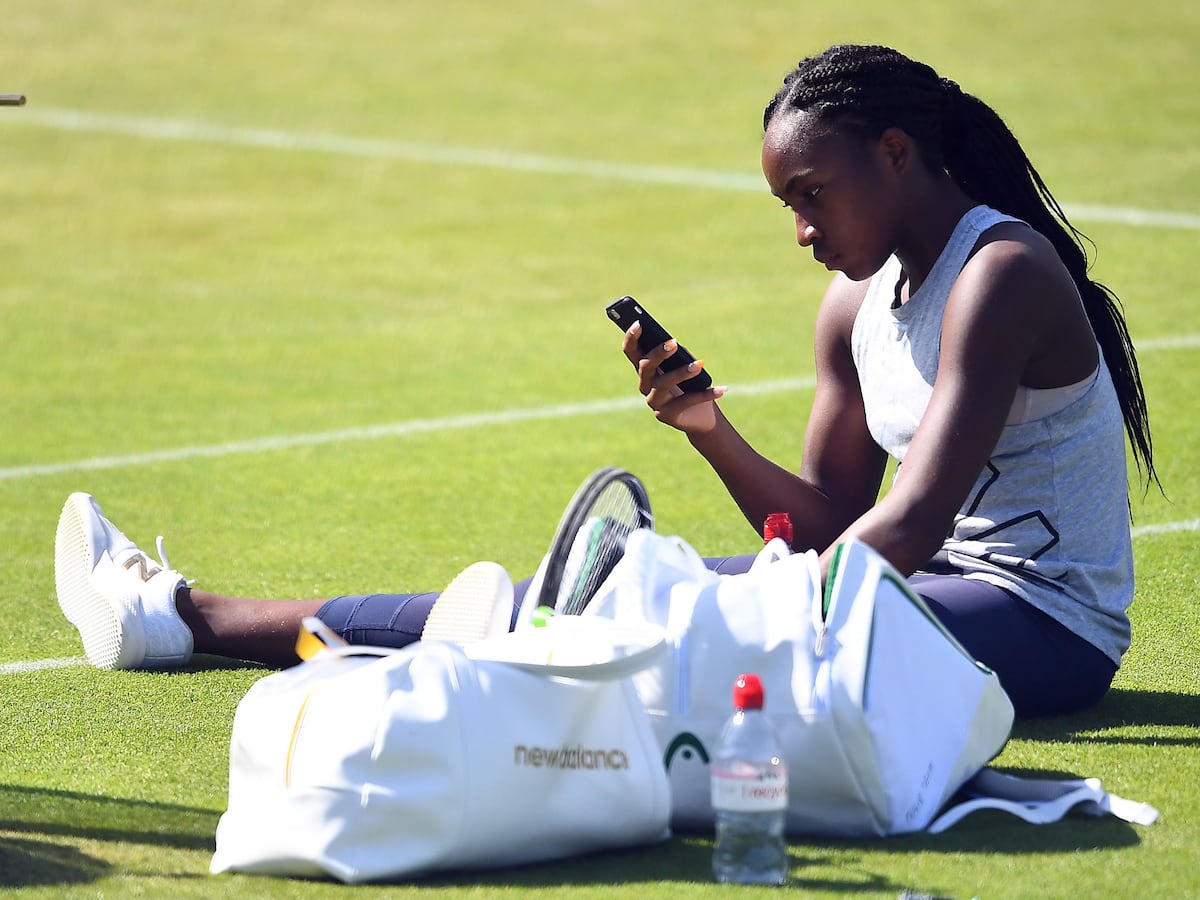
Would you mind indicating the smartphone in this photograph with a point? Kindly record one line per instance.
(626, 311)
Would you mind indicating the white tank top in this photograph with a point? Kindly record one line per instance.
(1048, 517)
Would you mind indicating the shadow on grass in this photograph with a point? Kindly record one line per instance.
(204, 662)
(843, 867)
(43, 811)
(46, 811)
(26, 863)
(826, 865)
(685, 859)
(992, 832)
(1122, 709)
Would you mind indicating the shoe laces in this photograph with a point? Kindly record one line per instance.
(166, 563)
(162, 552)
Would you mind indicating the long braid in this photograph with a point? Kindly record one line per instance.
(869, 89)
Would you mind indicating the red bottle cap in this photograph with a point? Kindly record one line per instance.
(748, 692)
(778, 525)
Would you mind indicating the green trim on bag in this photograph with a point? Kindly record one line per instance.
(834, 565)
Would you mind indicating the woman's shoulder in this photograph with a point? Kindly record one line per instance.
(840, 305)
(1016, 244)
(1017, 266)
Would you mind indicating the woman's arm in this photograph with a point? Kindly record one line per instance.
(1012, 317)
(842, 466)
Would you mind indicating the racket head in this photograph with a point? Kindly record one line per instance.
(590, 537)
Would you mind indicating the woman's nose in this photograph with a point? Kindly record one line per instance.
(805, 232)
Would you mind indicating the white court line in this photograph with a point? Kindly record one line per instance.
(1166, 528)
(1180, 342)
(373, 432)
(39, 665)
(429, 426)
(441, 154)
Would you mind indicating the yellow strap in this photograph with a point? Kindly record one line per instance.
(308, 644)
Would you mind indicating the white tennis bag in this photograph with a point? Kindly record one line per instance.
(882, 714)
(368, 764)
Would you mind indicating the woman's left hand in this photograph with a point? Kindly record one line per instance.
(693, 413)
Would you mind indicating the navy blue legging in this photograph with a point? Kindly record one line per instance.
(1045, 667)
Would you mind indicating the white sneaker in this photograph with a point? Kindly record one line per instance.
(122, 601)
(477, 604)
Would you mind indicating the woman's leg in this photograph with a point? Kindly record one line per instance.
(135, 612)
(1045, 668)
(730, 565)
(265, 631)
(262, 631)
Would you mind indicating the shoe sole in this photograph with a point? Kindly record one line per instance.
(111, 633)
(477, 604)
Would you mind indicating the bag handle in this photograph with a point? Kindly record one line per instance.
(590, 648)
(773, 551)
(1041, 800)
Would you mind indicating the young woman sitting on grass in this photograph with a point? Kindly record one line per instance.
(961, 335)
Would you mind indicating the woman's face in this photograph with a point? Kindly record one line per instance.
(841, 188)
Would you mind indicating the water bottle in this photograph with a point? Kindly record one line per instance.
(749, 793)
(778, 525)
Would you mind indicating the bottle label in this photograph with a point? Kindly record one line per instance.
(757, 792)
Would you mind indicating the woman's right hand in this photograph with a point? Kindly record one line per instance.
(692, 413)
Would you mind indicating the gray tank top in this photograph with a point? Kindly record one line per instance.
(1048, 517)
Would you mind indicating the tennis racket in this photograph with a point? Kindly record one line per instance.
(590, 538)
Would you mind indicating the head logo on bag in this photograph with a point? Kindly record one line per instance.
(684, 744)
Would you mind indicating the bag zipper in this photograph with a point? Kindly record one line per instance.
(826, 606)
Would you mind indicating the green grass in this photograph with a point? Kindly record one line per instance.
(161, 294)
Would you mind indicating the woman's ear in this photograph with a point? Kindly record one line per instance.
(896, 148)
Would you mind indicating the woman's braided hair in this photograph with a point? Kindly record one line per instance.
(868, 89)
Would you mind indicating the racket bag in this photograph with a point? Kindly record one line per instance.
(882, 714)
(369, 764)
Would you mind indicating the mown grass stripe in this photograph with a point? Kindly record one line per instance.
(1166, 528)
(41, 665)
(439, 154)
(427, 426)
(370, 432)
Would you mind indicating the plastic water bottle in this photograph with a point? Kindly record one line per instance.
(749, 793)
(778, 525)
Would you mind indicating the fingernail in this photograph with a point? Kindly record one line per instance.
(696, 365)
(636, 327)
(671, 345)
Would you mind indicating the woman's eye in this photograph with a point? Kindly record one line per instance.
(810, 194)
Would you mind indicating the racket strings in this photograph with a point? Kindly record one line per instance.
(599, 544)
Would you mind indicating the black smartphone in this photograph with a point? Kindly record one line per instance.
(626, 311)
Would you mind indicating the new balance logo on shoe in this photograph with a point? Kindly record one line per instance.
(144, 573)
